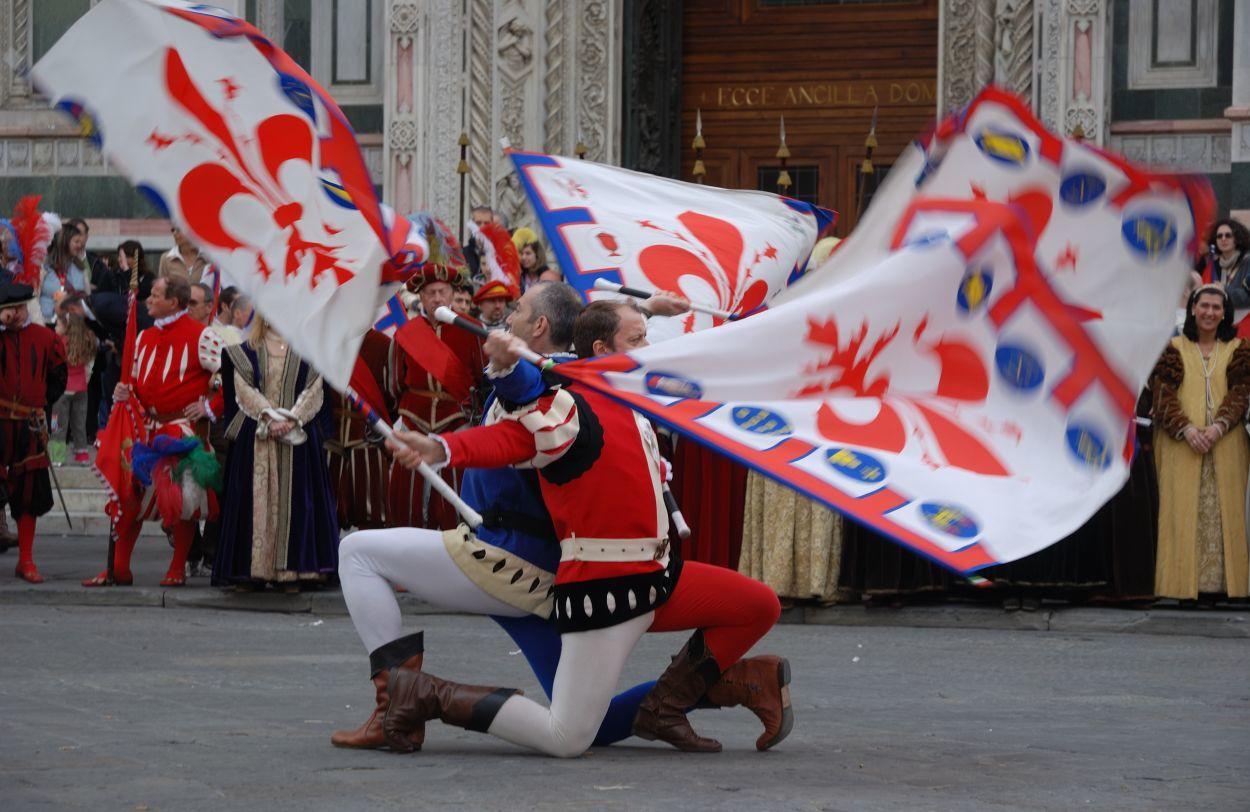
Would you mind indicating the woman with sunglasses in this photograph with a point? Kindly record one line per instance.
(1229, 260)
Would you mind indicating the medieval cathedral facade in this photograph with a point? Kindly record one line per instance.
(633, 82)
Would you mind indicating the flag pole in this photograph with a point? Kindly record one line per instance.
(462, 169)
(643, 293)
(866, 169)
(783, 154)
(699, 145)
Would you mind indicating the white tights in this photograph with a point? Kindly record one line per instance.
(371, 560)
(590, 662)
(586, 678)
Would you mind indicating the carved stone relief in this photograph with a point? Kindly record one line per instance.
(482, 143)
(515, 77)
(554, 84)
(442, 108)
(1191, 152)
(983, 42)
(62, 156)
(594, 117)
(540, 74)
(1073, 57)
(17, 44)
(1013, 41)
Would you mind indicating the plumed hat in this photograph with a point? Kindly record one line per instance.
(445, 262)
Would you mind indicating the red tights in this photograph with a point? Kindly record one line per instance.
(733, 610)
(128, 533)
(25, 540)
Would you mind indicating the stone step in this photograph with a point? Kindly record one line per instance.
(85, 499)
(76, 476)
(81, 500)
(84, 524)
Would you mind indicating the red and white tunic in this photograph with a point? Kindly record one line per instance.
(175, 361)
(600, 472)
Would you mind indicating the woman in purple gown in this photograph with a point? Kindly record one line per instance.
(278, 523)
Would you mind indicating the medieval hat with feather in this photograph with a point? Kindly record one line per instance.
(501, 263)
(445, 262)
(27, 236)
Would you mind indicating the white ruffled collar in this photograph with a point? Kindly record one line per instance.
(168, 320)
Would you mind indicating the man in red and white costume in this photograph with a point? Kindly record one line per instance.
(601, 474)
(175, 361)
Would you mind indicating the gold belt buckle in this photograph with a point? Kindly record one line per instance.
(661, 550)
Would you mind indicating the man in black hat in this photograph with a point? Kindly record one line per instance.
(32, 376)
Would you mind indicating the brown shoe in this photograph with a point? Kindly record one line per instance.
(404, 653)
(662, 714)
(762, 685)
(417, 697)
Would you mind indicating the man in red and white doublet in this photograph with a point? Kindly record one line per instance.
(601, 474)
(175, 361)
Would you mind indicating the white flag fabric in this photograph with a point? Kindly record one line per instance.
(960, 394)
(733, 250)
(230, 138)
(1092, 212)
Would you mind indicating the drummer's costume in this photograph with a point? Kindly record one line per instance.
(175, 361)
(599, 472)
(33, 374)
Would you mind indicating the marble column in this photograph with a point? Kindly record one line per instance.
(423, 109)
(984, 42)
(543, 74)
(1074, 75)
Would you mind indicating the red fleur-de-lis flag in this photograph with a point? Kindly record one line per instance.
(730, 249)
(959, 394)
(227, 136)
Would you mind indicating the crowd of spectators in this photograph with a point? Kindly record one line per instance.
(1177, 531)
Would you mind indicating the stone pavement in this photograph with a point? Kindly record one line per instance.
(119, 708)
(64, 561)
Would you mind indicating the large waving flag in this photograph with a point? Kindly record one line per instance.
(247, 154)
(730, 249)
(997, 150)
(954, 395)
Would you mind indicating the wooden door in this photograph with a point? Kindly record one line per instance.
(824, 66)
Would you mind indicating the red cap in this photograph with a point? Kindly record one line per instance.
(494, 289)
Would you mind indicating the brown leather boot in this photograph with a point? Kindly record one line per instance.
(762, 685)
(417, 697)
(405, 653)
(662, 714)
